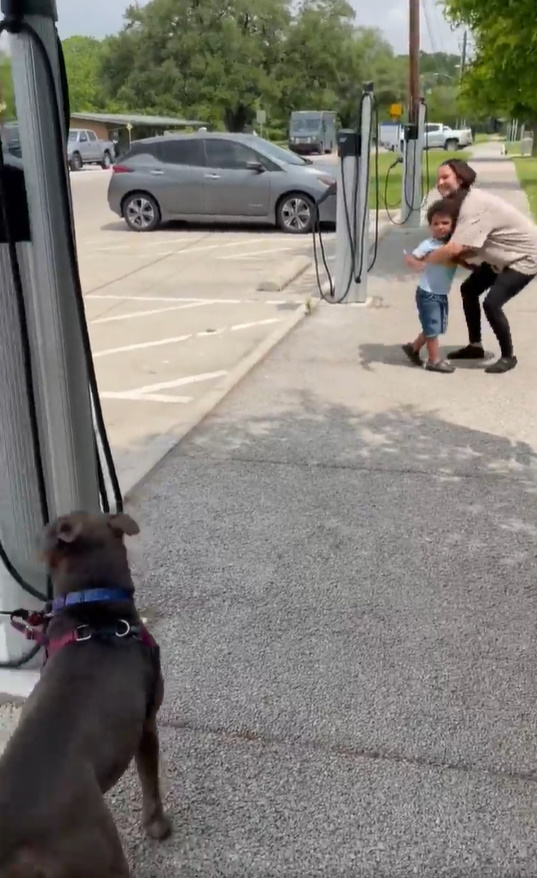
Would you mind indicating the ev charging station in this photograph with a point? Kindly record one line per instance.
(352, 219)
(353, 187)
(412, 194)
(52, 438)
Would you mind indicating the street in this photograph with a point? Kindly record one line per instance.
(171, 313)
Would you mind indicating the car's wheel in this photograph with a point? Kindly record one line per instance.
(75, 162)
(141, 212)
(295, 214)
(106, 162)
(451, 145)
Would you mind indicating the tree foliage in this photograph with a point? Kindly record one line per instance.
(221, 60)
(501, 77)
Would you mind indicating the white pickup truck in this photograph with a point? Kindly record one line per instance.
(437, 136)
(85, 148)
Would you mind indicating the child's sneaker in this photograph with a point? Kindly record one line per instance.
(412, 355)
(441, 366)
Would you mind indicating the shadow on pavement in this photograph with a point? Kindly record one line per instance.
(345, 602)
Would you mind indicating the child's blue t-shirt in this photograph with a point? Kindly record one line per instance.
(434, 278)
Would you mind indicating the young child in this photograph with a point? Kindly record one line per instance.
(433, 288)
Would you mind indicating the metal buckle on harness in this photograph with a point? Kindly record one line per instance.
(123, 632)
(82, 633)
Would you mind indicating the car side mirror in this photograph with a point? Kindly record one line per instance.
(255, 166)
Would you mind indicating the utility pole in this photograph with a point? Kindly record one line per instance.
(414, 133)
(462, 67)
(464, 53)
(414, 60)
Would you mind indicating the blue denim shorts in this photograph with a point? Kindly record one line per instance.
(433, 312)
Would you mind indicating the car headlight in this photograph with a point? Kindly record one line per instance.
(328, 181)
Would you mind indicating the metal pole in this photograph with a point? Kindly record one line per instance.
(65, 413)
(20, 511)
(345, 213)
(414, 60)
(414, 137)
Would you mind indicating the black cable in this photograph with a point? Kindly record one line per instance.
(17, 27)
(377, 185)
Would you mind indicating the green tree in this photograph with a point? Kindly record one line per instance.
(210, 60)
(7, 98)
(501, 76)
(83, 63)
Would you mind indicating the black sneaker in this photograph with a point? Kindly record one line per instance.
(412, 355)
(504, 364)
(470, 352)
(442, 366)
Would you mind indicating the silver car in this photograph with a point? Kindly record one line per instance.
(219, 178)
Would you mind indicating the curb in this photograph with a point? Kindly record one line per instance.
(286, 275)
(160, 447)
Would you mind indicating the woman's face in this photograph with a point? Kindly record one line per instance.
(446, 181)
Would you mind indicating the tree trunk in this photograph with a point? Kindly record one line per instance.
(533, 129)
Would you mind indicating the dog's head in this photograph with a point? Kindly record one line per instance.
(84, 550)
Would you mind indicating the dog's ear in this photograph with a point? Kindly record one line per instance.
(123, 525)
(62, 531)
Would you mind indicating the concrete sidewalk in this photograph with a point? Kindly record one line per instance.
(339, 566)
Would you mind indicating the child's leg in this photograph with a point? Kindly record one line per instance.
(419, 342)
(433, 349)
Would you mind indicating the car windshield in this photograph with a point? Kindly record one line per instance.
(272, 150)
(73, 135)
(306, 123)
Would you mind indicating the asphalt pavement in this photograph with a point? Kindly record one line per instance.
(339, 566)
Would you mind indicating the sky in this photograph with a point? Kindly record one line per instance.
(102, 17)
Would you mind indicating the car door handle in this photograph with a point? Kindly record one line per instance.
(212, 176)
(157, 173)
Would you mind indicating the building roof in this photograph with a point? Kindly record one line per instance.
(139, 120)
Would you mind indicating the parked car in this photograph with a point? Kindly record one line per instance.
(438, 136)
(85, 148)
(218, 177)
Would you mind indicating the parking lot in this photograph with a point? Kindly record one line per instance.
(171, 313)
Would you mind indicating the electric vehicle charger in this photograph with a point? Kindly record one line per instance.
(354, 274)
(13, 24)
(426, 183)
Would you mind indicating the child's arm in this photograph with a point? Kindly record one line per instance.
(416, 259)
(414, 262)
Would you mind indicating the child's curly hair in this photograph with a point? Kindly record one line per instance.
(445, 207)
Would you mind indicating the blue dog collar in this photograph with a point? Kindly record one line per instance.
(91, 596)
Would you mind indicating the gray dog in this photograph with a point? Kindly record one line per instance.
(93, 710)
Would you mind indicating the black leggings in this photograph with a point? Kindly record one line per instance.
(503, 287)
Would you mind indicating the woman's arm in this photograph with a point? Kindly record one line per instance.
(450, 252)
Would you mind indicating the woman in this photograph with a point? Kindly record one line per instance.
(503, 243)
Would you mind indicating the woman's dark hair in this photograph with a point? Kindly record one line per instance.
(463, 172)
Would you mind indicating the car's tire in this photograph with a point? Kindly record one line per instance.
(295, 213)
(451, 145)
(75, 162)
(141, 212)
(106, 162)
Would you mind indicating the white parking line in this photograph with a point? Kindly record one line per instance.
(176, 340)
(150, 392)
(151, 311)
(243, 257)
